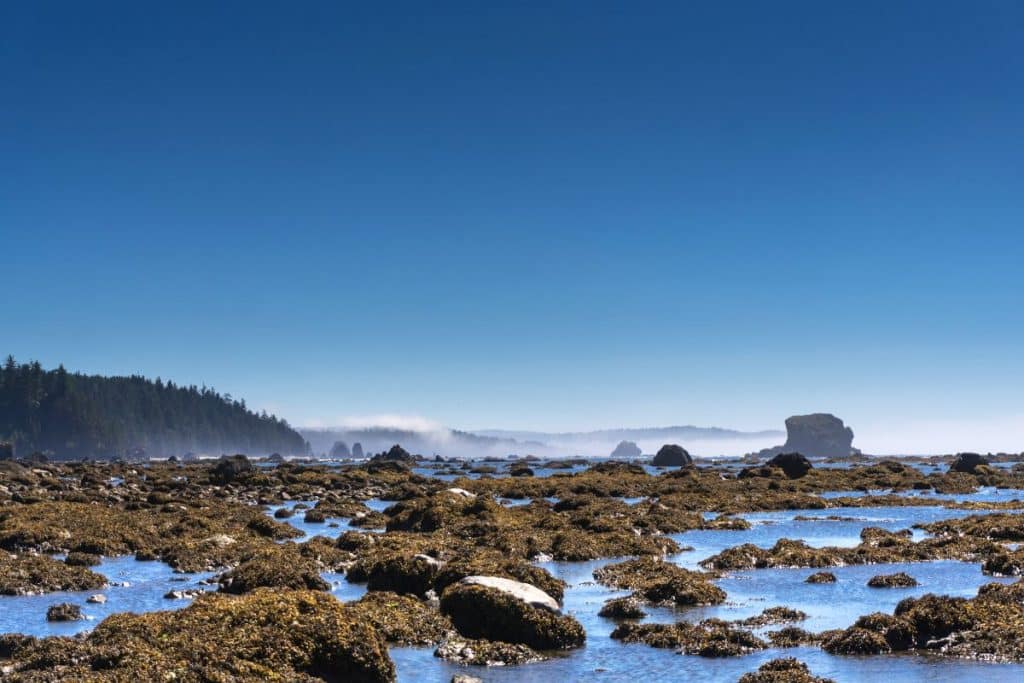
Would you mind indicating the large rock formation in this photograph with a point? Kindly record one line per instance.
(819, 435)
(357, 450)
(626, 450)
(340, 450)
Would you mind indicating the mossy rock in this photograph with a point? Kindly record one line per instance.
(276, 568)
(264, 635)
(488, 613)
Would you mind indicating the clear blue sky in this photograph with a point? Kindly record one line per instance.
(586, 215)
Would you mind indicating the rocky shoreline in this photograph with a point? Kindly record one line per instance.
(450, 565)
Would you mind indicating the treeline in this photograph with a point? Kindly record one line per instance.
(72, 415)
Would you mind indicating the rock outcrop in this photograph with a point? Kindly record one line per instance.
(672, 455)
(340, 450)
(626, 450)
(818, 435)
(357, 450)
(794, 465)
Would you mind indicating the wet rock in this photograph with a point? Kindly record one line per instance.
(774, 615)
(709, 638)
(791, 636)
(855, 641)
(283, 513)
(967, 463)
(462, 678)
(788, 670)
(520, 471)
(622, 608)
(485, 652)
(184, 594)
(793, 465)
(626, 450)
(490, 563)
(314, 516)
(508, 614)
(657, 582)
(64, 611)
(821, 577)
(898, 580)
(97, 599)
(35, 574)
(264, 635)
(1004, 564)
(524, 592)
(672, 455)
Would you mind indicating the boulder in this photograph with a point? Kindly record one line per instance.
(967, 463)
(898, 580)
(793, 465)
(97, 599)
(672, 455)
(626, 450)
(492, 608)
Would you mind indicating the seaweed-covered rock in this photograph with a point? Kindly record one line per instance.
(484, 611)
(490, 563)
(821, 577)
(64, 611)
(622, 608)
(855, 641)
(774, 615)
(395, 454)
(412, 575)
(485, 652)
(264, 635)
(897, 580)
(793, 465)
(659, 582)
(401, 619)
(936, 616)
(35, 574)
(709, 638)
(788, 670)
(274, 568)
(78, 559)
(672, 455)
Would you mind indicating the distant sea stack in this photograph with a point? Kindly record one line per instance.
(818, 435)
(627, 450)
(357, 450)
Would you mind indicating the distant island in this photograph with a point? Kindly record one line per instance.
(67, 415)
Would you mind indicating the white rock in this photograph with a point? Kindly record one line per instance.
(461, 492)
(97, 599)
(432, 561)
(531, 595)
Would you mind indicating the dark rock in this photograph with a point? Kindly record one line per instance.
(64, 611)
(793, 465)
(626, 450)
(967, 463)
(520, 471)
(340, 450)
(671, 455)
(78, 559)
(357, 450)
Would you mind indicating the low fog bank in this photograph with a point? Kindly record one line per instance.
(1003, 434)
(433, 440)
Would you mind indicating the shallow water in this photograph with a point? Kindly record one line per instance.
(603, 659)
(148, 583)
